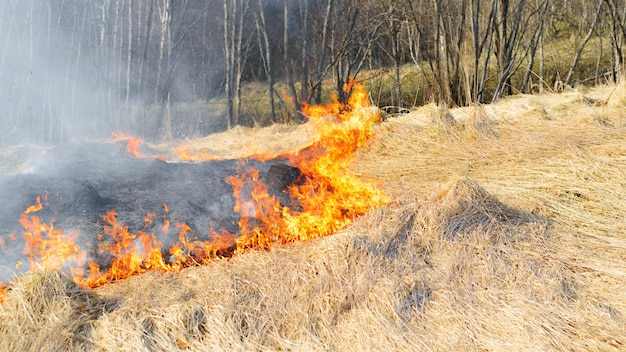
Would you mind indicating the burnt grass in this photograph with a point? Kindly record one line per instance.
(79, 183)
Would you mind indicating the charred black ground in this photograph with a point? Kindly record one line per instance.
(81, 182)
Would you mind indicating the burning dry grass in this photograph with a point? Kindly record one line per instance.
(507, 232)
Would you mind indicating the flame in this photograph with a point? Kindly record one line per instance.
(327, 195)
(166, 226)
(132, 254)
(289, 98)
(35, 207)
(48, 247)
(132, 143)
(148, 219)
(252, 201)
(185, 153)
(330, 196)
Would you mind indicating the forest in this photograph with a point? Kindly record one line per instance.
(171, 69)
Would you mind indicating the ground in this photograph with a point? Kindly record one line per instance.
(506, 230)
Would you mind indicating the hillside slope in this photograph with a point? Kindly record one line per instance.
(507, 231)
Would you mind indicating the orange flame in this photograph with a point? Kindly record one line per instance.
(185, 153)
(148, 219)
(132, 143)
(330, 197)
(34, 208)
(252, 201)
(132, 254)
(48, 247)
(289, 98)
(327, 195)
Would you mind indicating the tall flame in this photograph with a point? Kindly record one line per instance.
(327, 195)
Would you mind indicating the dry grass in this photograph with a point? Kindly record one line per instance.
(507, 232)
(244, 141)
(16, 158)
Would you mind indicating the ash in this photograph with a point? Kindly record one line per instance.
(79, 183)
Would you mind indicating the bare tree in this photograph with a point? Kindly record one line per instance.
(164, 64)
(320, 51)
(481, 36)
(266, 51)
(582, 44)
(235, 56)
(304, 13)
(287, 62)
(390, 42)
(617, 12)
(353, 33)
(510, 48)
(532, 46)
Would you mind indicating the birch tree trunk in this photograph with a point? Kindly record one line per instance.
(162, 88)
(266, 53)
(286, 59)
(234, 13)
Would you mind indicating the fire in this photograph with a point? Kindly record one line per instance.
(325, 198)
(254, 202)
(132, 144)
(132, 254)
(166, 226)
(47, 247)
(37, 206)
(329, 196)
(185, 153)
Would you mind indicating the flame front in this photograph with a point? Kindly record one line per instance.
(327, 195)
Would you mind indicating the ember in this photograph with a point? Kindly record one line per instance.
(101, 215)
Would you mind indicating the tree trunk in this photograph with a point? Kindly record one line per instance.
(618, 35)
(288, 66)
(441, 52)
(234, 11)
(129, 50)
(582, 44)
(305, 92)
(266, 54)
(316, 86)
(164, 79)
(397, 60)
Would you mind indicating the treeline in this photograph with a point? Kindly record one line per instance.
(171, 68)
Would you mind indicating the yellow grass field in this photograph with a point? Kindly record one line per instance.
(506, 232)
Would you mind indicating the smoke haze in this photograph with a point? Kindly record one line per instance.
(46, 91)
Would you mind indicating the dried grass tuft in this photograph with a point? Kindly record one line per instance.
(479, 125)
